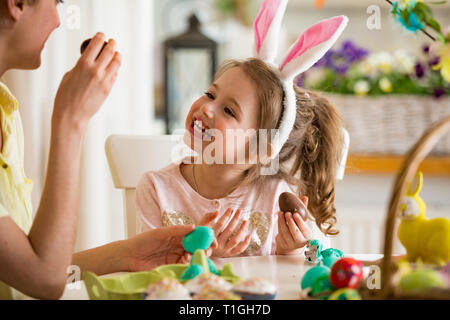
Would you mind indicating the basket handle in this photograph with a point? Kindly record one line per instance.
(407, 171)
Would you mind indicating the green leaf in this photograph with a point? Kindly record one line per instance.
(434, 24)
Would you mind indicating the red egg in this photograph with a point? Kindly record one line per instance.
(346, 273)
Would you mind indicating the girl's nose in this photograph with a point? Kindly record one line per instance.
(207, 110)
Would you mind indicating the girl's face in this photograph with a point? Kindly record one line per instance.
(230, 104)
(35, 25)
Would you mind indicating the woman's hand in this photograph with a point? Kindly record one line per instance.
(293, 232)
(160, 246)
(156, 247)
(230, 242)
(84, 88)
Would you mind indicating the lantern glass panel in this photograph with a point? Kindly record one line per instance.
(189, 76)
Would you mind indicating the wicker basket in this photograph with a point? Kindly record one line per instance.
(409, 168)
(390, 124)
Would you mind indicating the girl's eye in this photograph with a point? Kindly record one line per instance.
(209, 95)
(229, 112)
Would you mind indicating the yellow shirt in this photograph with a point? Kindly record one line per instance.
(15, 188)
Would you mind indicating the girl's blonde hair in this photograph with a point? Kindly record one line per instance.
(310, 156)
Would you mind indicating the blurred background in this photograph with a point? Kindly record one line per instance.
(379, 75)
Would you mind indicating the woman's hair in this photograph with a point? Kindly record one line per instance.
(310, 156)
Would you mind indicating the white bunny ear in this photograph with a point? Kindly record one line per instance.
(312, 46)
(267, 28)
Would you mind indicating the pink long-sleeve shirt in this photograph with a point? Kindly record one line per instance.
(165, 198)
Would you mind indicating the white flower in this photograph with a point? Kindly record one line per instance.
(361, 87)
(404, 61)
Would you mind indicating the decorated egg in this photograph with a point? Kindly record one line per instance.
(312, 274)
(346, 272)
(330, 256)
(322, 287)
(345, 294)
(201, 238)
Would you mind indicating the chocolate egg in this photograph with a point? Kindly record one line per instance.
(86, 43)
(289, 202)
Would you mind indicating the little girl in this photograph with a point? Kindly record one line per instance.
(248, 95)
(255, 96)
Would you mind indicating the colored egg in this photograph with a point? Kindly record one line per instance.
(418, 280)
(346, 272)
(330, 256)
(345, 294)
(312, 274)
(201, 238)
(192, 271)
(322, 288)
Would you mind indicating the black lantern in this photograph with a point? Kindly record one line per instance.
(189, 67)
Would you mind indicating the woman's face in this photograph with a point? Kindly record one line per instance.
(230, 105)
(35, 25)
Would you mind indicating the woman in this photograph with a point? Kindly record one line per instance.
(34, 255)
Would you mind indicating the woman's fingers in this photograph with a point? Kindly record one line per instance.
(113, 68)
(94, 47)
(107, 54)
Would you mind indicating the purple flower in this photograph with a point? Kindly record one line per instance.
(420, 70)
(340, 61)
(438, 92)
(426, 48)
(434, 61)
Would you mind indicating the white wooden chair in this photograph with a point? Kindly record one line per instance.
(131, 156)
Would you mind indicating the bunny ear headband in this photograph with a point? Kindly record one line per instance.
(303, 54)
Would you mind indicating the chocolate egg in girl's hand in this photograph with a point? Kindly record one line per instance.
(289, 202)
(86, 43)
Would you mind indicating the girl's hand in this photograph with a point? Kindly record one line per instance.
(228, 244)
(293, 232)
(84, 88)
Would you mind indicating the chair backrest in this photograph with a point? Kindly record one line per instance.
(129, 157)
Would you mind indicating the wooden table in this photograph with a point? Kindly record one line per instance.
(285, 272)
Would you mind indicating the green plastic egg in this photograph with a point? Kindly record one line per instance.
(192, 271)
(322, 285)
(201, 238)
(312, 274)
(330, 256)
(421, 280)
(345, 294)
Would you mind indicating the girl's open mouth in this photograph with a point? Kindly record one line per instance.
(200, 131)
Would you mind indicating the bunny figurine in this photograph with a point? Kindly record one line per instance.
(424, 239)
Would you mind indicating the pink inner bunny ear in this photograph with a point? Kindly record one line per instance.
(264, 20)
(315, 35)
